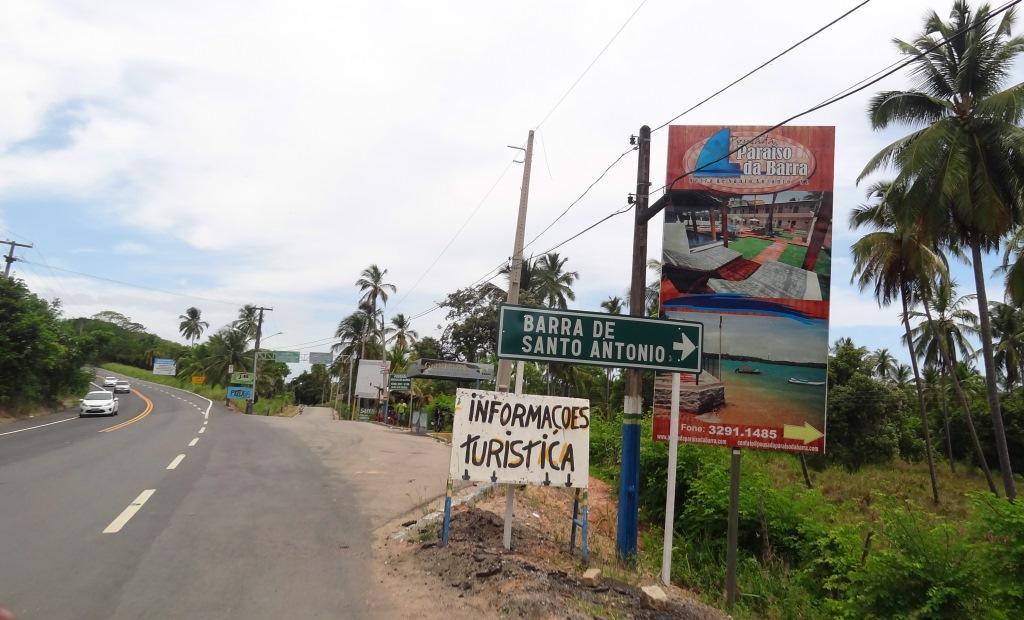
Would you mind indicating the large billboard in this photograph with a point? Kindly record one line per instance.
(164, 366)
(371, 379)
(747, 246)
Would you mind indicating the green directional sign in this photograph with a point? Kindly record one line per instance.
(599, 339)
(399, 383)
(321, 358)
(287, 357)
(241, 377)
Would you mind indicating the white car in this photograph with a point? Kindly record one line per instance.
(98, 403)
(122, 387)
(109, 381)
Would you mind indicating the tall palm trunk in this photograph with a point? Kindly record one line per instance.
(949, 370)
(920, 396)
(992, 389)
(607, 393)
(945, 421)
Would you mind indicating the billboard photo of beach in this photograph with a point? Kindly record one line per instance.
(747, 252)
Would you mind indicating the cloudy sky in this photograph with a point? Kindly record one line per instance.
(220, 153)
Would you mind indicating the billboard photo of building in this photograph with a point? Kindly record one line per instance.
(747, 252)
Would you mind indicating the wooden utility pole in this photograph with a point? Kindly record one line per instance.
(14, 244)
(256, 360)
(629, 481)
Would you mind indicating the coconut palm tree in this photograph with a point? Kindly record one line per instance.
(226, 349)
(966, 163)
(400, 331)
(247, 321)
(398, 356)
(192, 324)
(375, 292)
(612, 305)
(901, 376)
(528, 281)
(1008, 330)
(891, 259)
(554, 284)
(941, 337)
(883, 364)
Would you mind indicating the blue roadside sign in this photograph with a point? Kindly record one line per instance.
(238, 392)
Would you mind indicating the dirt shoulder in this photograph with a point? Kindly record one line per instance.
(474, 575)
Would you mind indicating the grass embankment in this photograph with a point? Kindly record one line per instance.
(279, 405)
(865, 543)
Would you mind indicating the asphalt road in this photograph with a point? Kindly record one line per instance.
(187, 514)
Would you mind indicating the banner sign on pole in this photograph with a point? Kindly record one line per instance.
(198, 379)
(599, 339)
(286, 357)
(163, 366)
(747, 246)
(321, 358)
(399, 383)
(520, 439)
(241, 377)
(238, 392)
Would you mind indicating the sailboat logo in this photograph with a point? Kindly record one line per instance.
(713, 160)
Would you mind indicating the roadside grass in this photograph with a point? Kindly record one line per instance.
(749, 247)
(266, 406)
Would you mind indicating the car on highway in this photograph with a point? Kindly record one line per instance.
(122, 387)
(98, 403)
(109, 381)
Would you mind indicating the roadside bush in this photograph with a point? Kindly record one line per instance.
(999, 526)
(927, 569)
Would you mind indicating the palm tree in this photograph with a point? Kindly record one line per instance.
(247, 321)
(398, 356)
(554, 284)
(940, 338)
(883, 364)
(967, 162)
(528, 281)
(652, 292)
(891, 259)
(375, 289)
(401, 332)
(612, 305)
(192, 326)
(226, 349)
(1008, 329)
(901, 376)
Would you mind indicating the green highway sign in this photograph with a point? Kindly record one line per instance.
(241, 377)
(287, 357)
(399, 383)
(599, 339)
(321, 358)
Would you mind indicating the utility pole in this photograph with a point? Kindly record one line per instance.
(515, 275)
(10, 254)
(256, 360)
(629, 482)
(514, 282)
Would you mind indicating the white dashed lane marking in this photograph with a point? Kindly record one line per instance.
(193, 442)
(129, 512)
(177, 461)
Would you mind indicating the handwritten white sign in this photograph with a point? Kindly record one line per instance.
(521, 439)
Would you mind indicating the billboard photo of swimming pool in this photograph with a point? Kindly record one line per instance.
(747, 252)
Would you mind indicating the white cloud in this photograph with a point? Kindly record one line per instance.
(131, 247)
(295, 145)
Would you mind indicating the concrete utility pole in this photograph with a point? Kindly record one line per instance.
(256, 360)
(629, 482)
(514, 282)
(14, 244)
(515, 276)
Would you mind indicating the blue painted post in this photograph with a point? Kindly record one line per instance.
(626, 534)
(629, 482)
(447, 514)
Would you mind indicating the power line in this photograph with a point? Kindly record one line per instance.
(592, 63)
(133, 285)
(760, 66)
(876, 77)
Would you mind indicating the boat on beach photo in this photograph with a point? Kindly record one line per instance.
(798, 381)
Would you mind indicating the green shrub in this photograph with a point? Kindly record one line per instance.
(927, 569)
(998, 526)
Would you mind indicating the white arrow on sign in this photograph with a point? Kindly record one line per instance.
(685, 347)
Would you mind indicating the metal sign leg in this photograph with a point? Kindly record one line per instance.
(584, 529)
(575, 518)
